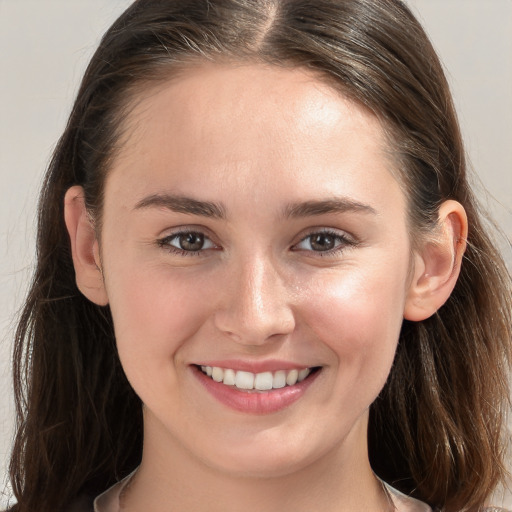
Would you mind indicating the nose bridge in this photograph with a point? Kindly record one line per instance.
(256, 306)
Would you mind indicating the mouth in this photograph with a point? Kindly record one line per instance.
(257, 382)
(264, 392)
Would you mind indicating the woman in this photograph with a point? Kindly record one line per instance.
(257, 224)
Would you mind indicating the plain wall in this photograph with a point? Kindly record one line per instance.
(45, 46)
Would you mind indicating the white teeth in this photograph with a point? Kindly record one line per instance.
(291, 378)
(244, 380)
(303, 374)
(217, 374)
(263, 381)
(279, 380)
(260, 381)
(229, 377)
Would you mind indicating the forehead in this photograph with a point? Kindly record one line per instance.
(260, 125)
(264, 99)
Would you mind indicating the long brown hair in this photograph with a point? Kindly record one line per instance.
(437, 429)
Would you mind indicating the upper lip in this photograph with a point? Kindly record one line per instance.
(254, 366)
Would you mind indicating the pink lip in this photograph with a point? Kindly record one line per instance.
(254, 402)
(272, 365)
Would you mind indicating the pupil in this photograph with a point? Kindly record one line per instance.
(191, 241)
(322, 242)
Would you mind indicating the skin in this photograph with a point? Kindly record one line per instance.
(257, 141)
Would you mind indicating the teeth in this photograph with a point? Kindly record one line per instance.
(279, 380)
(217, 374)
(263, 381)
(229, 377)
(259, 381)
(303, 374)
(291, 378)
(244, 380)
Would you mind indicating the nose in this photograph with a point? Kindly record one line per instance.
(255, 305)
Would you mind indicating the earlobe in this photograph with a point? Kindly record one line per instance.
(84, 247)
(437, 264)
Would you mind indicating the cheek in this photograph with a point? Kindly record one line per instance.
(358, 315)
(155, 310)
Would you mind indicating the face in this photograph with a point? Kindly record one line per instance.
(253, 236)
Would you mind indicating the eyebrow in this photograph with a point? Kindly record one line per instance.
(182, 204)
(187, 205)
(335, 205)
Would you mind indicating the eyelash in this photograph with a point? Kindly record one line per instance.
(165, 243)
(342, 240)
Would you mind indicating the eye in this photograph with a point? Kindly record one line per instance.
(324, 241)
(187, 242)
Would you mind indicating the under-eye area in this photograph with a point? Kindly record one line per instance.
(264, 381)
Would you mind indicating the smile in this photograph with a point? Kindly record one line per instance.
(265, 381)
(262, 392)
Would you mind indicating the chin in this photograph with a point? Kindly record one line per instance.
(267, 455)
(260, 465)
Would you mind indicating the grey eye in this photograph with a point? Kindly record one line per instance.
(322, 241)
(189, 241)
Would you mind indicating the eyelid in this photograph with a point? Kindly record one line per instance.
(346, 240)
(176, 236)
(163, 241)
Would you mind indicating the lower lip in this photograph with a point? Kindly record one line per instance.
(255, 402)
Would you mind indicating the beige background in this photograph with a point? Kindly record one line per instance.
(45, 45)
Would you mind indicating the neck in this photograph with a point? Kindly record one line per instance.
(171, 479)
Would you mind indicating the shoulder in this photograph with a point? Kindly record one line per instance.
(83, 503)
(404, 503)
(489, 509)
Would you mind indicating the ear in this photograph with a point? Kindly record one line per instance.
(84, 247)
(437, 264)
